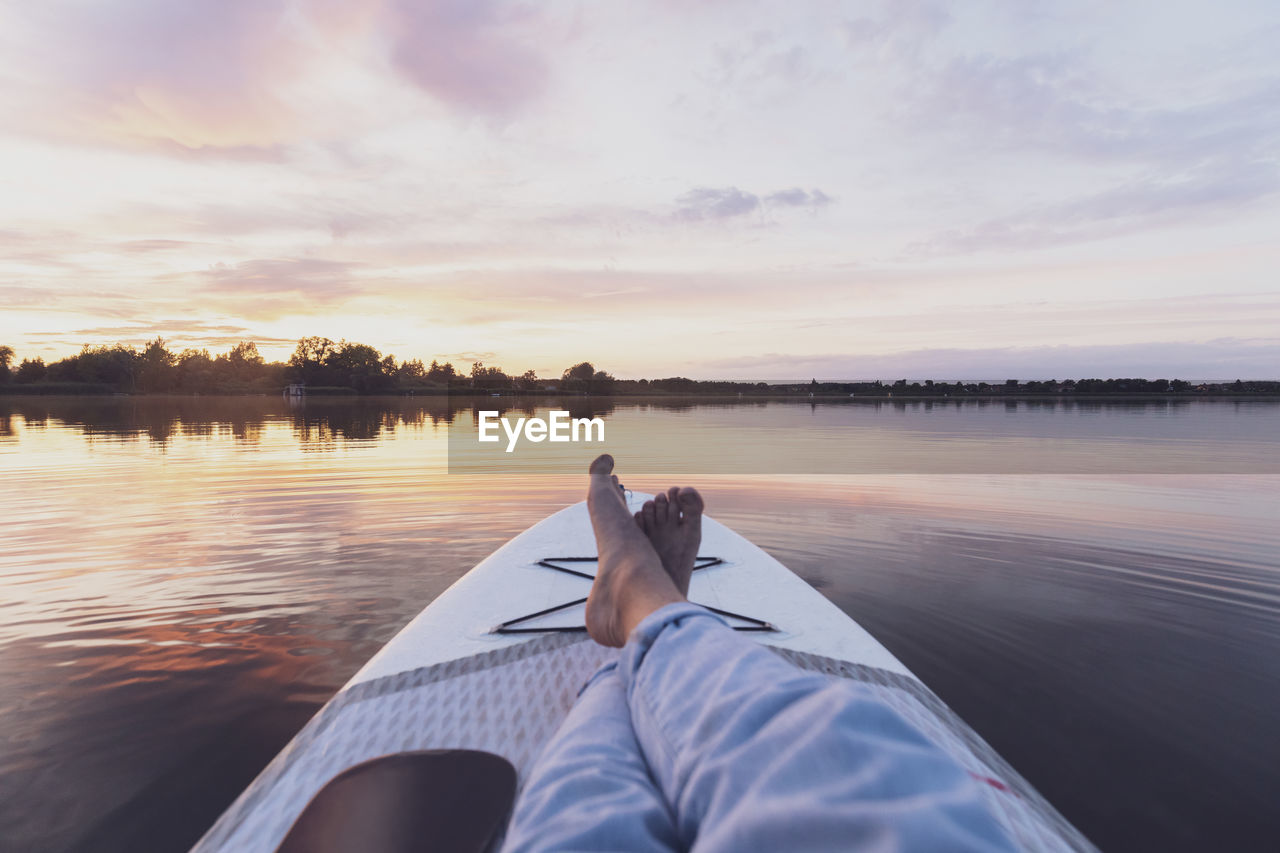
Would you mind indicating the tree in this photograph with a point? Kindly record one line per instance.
(194, 371)
(240, 367)
(527, 381)
(442, 374)
(602, 382)
(245, 352)
(578, 377)
(357, 366)
(411, 371)
(31, 370)
(6, 356)
(309, 358)
(488, 378)
(155, 367)
(114, 365)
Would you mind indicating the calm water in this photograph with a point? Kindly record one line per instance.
(183, 582)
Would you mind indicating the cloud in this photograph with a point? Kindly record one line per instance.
(178, 334)
(710, 203)
(249, 79)
(1155, 200)
(796, 197)
(307, 278)
(1167, 159)
(901, 31)
(158, 245)
(332, 214)
(474, 55)
(465, 357)
(162, 326)
(1224, 358)
(1195, 133)
(196, 74)
(22, 296)
(1056, 102)
(759, 65)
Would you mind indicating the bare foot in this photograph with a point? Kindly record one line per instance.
(673, 524)
(631, 582)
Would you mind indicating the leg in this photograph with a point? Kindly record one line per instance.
(749, 752)
(591, 789)
(754, 754)
(630, 582)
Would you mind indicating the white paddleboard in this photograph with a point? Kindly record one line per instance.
(496, 661)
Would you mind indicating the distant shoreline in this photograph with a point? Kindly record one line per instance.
(320, 366)
(13, 392)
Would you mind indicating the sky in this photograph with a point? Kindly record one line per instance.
(856, 190)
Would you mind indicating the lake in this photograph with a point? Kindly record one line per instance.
(1094, 587)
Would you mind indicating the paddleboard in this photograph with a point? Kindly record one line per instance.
(495, 662)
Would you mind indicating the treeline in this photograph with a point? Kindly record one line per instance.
(1014, 387)
(930, 388)
(345, 367)
(323, 365)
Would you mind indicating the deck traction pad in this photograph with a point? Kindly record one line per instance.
(466, 704)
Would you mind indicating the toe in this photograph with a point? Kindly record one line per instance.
(640, 521)
(661, 508)
(603, 464)
(650, 513)
(690, 502)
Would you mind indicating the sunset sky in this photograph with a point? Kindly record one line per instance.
(717, 189)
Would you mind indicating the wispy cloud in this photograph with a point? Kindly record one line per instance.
(159, 245)
(308, 278)
(1226, 358)
(22, 296)
(1048, 101)
(204, 73)
(179, 333)
(479, 56)
(1154, 200)
(710, 203)
(238, 79)
(796, 197)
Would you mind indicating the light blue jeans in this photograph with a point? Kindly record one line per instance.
(701, 739)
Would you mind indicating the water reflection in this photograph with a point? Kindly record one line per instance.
(161, 419)
(366, 418)
(183, 581)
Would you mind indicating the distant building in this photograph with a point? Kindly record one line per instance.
(297, 389)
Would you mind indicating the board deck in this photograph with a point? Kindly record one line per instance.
(453, 679)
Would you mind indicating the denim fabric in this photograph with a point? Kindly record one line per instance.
(699, 738)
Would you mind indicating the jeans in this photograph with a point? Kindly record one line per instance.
(701, 739)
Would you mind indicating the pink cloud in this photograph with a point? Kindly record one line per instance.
(216, 75)
(197, 73)
(475, 55)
